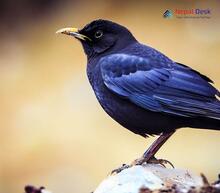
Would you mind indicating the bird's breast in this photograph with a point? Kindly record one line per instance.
(129, 115)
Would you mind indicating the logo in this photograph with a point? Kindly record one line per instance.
(188, 13)
(168, 14)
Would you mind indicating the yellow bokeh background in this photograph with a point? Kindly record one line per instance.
(54, 133)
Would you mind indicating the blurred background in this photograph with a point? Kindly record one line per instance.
(53, 132)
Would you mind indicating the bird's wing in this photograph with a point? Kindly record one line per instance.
(173, 89)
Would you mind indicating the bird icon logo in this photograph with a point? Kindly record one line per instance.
(168, 14)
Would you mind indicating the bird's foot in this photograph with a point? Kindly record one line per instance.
(162, 162)
(118, 170)
(152, 160)
(141, 161)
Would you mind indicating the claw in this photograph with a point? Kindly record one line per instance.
(142, 161)
(118, 170)
(153, 160)
(163, 161)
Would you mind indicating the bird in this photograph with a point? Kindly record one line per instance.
(141, 88)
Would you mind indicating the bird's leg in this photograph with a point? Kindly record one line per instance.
(148, 156)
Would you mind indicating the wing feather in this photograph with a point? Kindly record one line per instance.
(168, 89)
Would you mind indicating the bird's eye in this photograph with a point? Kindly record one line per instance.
(98, 34)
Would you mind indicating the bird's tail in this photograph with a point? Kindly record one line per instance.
(211, 120)
(214, 110)
(213, 124)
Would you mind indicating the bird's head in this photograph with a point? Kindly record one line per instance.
(101, 36)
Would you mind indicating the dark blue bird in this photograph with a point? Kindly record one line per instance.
(142, 89)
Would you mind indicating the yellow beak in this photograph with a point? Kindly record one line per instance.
(73, 32)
